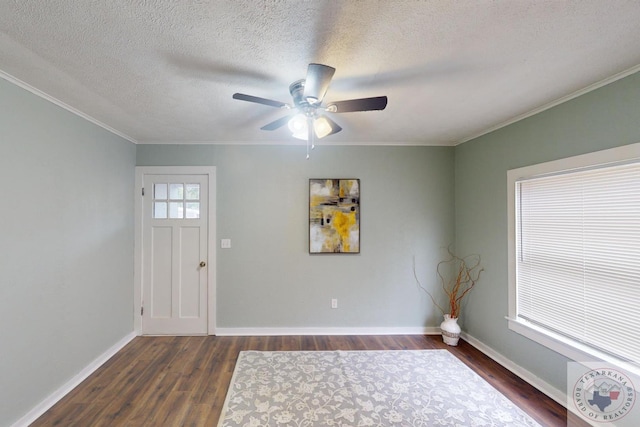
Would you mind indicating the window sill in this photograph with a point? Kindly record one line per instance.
(571, 349)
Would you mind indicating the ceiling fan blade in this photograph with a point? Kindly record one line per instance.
(335, 128)
(277, 124)
(258, 100)
(317, 82)
(362, 104)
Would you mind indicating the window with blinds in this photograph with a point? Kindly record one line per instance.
(577, 256)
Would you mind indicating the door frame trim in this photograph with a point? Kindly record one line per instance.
(140, 172)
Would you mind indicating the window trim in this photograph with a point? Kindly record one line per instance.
(572, 349)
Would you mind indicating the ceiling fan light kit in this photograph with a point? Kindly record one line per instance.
(299, 126)
(308, 94)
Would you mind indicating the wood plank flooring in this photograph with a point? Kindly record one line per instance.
(182, 381)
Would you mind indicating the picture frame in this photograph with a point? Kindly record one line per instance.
(334, 216)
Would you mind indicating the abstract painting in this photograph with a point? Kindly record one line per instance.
(334, 216)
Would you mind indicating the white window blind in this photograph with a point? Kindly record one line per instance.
(578, 256)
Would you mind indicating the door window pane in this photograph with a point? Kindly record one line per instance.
(193, 210)
(176, 191)
(160, 210)
(175, 210)
(192, 191)
(160, 191)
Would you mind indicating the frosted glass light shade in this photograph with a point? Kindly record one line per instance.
(298, 127)
(322, 127)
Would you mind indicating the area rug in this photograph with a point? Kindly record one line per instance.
(362, 388)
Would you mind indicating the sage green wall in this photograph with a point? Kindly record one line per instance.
(601, 119)
(66, 245)
(268, 279)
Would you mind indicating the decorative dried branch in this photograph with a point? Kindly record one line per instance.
(423, 288)
(468, 273)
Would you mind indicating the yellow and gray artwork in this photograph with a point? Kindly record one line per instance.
(334, 216)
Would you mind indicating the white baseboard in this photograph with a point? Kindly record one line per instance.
(47, 403)
(244, 332)
(526, 375)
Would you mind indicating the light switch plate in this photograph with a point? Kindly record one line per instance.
(225, 243)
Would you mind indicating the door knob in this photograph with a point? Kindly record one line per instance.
(203, 264)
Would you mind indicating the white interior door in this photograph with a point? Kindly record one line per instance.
(174, 254)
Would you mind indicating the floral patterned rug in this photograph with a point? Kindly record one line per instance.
(363, 388)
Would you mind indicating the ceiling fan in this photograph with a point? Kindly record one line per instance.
(310, 122)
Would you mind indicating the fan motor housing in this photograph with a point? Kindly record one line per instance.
(296, 89)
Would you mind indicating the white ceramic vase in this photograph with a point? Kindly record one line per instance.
(450, 330)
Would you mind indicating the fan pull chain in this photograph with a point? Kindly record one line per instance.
(310, 132)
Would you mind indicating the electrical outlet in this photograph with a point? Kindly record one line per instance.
(334, 303)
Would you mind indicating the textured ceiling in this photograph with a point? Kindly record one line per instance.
(165, 70)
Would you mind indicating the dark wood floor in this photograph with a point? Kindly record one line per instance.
(182, 381)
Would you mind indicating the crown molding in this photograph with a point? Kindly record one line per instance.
(558, 101)
(41, 94)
